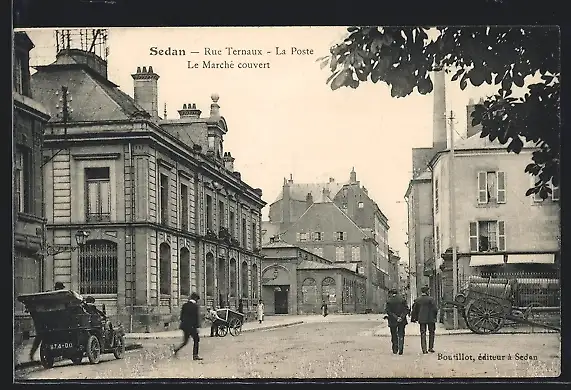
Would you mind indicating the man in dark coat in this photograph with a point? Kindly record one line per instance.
(396, 311)
(189, 324)
(424, 310)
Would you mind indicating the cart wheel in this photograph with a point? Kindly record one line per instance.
(77, 358)
(235, 327)
(119, 350)
(46, 357)
(222, 330)
(93, 349)
(485, 316)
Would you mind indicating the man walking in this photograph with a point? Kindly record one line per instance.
(424, 310)
(189, 324)
(397, 310)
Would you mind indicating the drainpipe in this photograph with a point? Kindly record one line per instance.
(132, 172)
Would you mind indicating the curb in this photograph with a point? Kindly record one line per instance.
(449, 333)
(37, 363)
(159, 336)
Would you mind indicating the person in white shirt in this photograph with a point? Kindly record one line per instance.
(216, 322)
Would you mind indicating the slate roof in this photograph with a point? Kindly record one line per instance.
(278, 244)
(476, 142)
(299, 191)
(314, 265)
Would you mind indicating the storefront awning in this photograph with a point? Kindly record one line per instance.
(540, 258)
(482, 260)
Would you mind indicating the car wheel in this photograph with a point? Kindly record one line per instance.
(119, 350)
(46, 357)
(93, 349)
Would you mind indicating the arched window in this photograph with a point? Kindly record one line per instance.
(209, 274)
(184, 272)
(255, 281)
(244, 277)
(98, 267)
(309, 291)
(165, 268)
(328, 290)
(222, 282)
(233, 278)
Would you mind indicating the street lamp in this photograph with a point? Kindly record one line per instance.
(80, 238)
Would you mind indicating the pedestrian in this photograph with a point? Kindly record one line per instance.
(425, 311)
(38, 339)
(216, 322)
(241, 307)
(396, 311)
(189, 324)
(260, 311)
(324, 309)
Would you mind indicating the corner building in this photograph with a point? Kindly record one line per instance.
(166, 212)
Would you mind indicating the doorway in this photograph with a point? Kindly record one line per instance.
(281, 299)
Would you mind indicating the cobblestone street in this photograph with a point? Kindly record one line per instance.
(327, 349)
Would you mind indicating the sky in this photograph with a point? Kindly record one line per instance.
(285, 119)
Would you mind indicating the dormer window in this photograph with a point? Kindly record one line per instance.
(211, 142)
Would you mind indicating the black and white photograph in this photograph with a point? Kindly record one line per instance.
(300, 203)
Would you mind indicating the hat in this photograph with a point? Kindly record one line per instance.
(393, 291)
(195, 296)
(425, 289)
(59, 286)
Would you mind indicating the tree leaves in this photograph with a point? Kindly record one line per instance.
(401, 57)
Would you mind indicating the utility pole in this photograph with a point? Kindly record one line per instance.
(453, 219)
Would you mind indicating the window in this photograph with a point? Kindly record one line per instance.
(98, 267)
(185, 272)
(344, 205)
(98, 191)
(18, 74)
(164, 198)
(436, 195)
(165, 268)
(244, 275)
(221, 216)
(317, 236)
(318, 252)
(356, 253)
(244, 233)
(361, 205)
(232, 224)
(211, 145)
(233, 280)
(487, 236)
(328, 291)
(340, 254)
(340, 236)
(437, 240)
(183, 207)
(208, 212)
(209, 268)
(554, 196)
(309, 292)
(302, 236)
(254, 227)
(491, 187)
(254, 281)
(24, 176)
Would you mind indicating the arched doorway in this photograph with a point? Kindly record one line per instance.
(329, 291)
(184, 273)
(165, 269)
(233, 282)
(244, 282)
(209, 269)
(222, 283)
(255, 286)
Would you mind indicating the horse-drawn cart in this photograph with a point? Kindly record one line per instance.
(231, 321)
(487, 304)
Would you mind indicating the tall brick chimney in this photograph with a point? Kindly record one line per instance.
(189, 111)
(471, 130)
(353, 176)
(308, 200)
(228, 161)
(439, 137)
(146, 90)
(286, 202)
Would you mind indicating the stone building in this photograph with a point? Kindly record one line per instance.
(297, 281)
(29, 118)
(165, 210)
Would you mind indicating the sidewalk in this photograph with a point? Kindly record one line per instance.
(414, 330)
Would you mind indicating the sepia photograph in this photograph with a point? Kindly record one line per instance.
(286, 203)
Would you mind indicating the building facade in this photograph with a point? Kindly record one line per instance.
(297, 281)
(165, 211)
(28, 238)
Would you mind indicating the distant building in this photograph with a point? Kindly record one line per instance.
(338, 221)
(166, 212)
(297, 281)
(28, 238)
(394, 261)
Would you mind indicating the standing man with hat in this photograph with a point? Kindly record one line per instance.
(424, 310)
(396, 311)
(189, 324)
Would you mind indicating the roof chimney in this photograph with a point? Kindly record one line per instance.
(146, 90)
(228, 161)
(309, 199)
(353, 176)
(290, 181)
(326, 192)
(189, 111)
(331, 180)
(439, 138)
(214, 107)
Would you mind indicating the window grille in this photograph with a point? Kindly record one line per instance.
(98, 268)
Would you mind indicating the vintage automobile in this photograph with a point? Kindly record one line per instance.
(71, 327)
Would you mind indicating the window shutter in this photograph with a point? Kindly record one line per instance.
(482, 188)
(555, 192)
(501, 187)
(473, 236)
(298, 236)
(501, 236)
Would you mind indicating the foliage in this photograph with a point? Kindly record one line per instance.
(403, 57)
